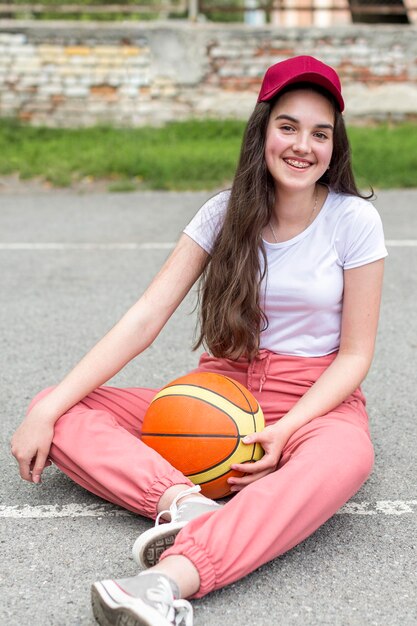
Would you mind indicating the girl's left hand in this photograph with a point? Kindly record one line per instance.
(272, 439)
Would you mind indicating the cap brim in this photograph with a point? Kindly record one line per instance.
(306, 77)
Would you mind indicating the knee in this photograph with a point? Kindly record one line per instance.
(39, 397)
(353, 457)
(368, 457)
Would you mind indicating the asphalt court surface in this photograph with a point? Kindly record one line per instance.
(71, 265)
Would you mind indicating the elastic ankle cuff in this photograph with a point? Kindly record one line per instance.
(158, 487)
(200, 559)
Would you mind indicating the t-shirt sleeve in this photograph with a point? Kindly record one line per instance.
(207, 222)
(363, 239)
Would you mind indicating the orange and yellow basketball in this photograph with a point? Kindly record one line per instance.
(197, 423)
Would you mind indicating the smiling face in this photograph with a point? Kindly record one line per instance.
(299, 139)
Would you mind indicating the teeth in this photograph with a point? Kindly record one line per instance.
(300, 164)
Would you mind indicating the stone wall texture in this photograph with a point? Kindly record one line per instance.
(80, 74)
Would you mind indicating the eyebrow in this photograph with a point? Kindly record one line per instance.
(294, 119)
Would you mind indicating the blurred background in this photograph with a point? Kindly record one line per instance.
(154, 94)
(254, 12)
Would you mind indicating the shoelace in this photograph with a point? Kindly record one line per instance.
(176, 611)
(175, 511)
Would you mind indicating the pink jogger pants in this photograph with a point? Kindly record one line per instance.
(323, 464)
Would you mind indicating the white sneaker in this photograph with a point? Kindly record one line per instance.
(149, 546)
(144, 600)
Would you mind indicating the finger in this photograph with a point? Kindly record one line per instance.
(261, 439)
(38, 466)
(24, 461)
(48, 462)
(252, 438)
(247, 480)
(24, 470)
(237, 484)
(252, 468)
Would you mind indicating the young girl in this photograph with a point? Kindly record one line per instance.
(291, 265)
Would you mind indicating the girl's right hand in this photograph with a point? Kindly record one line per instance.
(30, 446)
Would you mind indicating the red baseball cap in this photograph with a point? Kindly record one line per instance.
(302, 69)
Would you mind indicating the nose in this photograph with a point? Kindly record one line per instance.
(302, 144)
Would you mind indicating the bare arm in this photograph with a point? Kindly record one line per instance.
(361, 304)
(136, 330)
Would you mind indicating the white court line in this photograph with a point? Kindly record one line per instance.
(391, 243)
(379, 507)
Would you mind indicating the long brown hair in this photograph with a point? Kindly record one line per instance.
(231, 317)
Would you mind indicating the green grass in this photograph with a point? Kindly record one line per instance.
(189, 155)
(181, 156)
(385, 156)
(50, 10)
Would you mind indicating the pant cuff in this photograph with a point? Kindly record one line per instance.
(158, 487)
(200, 559)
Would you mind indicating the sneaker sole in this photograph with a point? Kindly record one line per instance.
(150, 545)
(108, 612)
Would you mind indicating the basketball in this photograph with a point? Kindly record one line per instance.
(197, 423)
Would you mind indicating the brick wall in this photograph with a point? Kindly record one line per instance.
(66, 74)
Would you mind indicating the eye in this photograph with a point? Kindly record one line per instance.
(320, 135)
(287, 128)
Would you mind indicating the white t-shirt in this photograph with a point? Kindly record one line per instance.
(302, 293)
